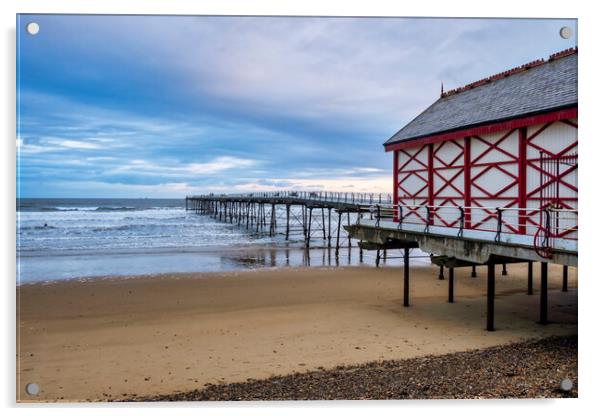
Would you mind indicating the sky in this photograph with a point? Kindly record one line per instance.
(168, 106)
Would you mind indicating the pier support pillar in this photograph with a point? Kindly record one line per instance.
(258, 220)
(329, 216)
(441, 277)
(273, 224)
(565, 278)
(323, 225)
(543, 296)
(504, 271)
(490, 294)
(406, 277)
(288, 221)
(308, 232)
(377, 258)
(529, 278)
(450, 290)
(349, 235)
(474, 271)
(336, 250)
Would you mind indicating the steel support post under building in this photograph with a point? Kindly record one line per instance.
(490, 294)
(530, 278)
(474, 271)
(406, 277)
(450, 291)
(504, 271)
(543, 298)
(565, 278)
(441, 277)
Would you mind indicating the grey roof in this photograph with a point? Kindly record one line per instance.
(547, 86)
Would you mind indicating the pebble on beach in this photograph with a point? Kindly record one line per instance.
(533, 369)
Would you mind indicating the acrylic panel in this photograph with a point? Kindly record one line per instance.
(295, 208)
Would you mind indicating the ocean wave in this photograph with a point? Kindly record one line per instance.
(82, 209)
(108, 209)
(118, 227)
(95, 209)
(37, 227)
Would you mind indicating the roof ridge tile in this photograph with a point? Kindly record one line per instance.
(507, 73)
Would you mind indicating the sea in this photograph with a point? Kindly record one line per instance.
(61, 239)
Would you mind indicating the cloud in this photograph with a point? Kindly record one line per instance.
(219, 164)
(374, 72)
(72, 144)
(381, 184)
(100, 158)
(78, 189)
(174, 169)
(157, 105)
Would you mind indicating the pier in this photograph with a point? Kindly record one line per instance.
(379, 225)
(292, 214)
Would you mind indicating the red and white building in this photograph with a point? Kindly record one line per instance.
(496, 156)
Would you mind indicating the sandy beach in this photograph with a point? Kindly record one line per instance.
(114, 339)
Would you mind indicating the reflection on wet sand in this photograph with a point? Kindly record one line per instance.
(310, 257)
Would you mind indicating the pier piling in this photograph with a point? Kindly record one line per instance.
(543, 298)
(329, 211)
(406, 277)
(450, 291)
(490, 294)
(288, 219)
(336, 250)
(530, 278)
(308, 235)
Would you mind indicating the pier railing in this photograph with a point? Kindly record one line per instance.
(545, 226)
(333, 197)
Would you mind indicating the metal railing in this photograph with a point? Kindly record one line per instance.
(545, 225)
(334, 197)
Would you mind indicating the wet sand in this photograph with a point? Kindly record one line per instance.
(114, 339)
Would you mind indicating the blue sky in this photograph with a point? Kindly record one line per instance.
(164, 106)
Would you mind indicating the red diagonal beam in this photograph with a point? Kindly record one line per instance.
(538, 132)
(552, 154)
(448, 182)
(413, 157)
(412, 195)
(553, 179)
(410, 174)
(495, 145)
(452, 163)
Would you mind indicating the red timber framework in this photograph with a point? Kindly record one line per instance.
(521, 166)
